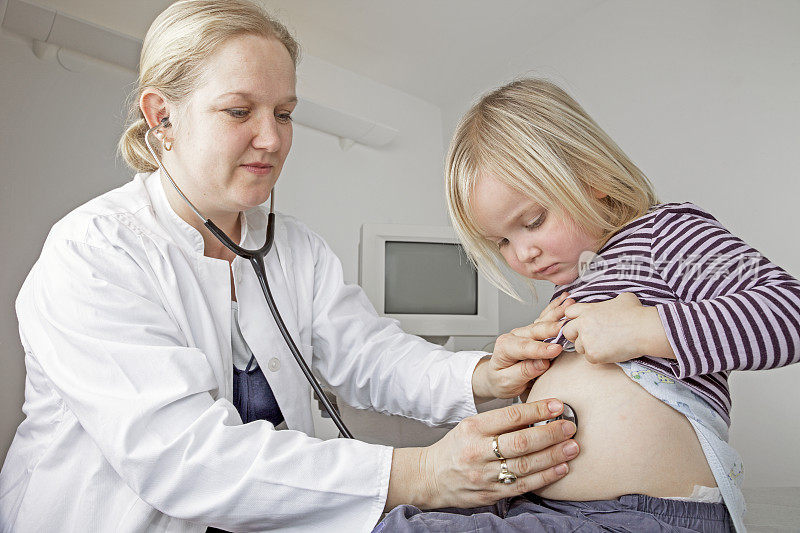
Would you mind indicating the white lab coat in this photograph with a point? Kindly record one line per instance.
(130, 426)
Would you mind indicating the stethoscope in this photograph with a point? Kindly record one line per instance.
(567, 414)
(256, 258)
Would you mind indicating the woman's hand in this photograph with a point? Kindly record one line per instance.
(616, 330)
(520, 356)
(461, 470)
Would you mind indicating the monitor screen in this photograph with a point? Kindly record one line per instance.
(429, 278)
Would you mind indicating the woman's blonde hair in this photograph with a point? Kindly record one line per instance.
(174, 55)
(533, 137)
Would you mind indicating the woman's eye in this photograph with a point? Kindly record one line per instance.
(283, 117)
(237, 113)
(502, 242)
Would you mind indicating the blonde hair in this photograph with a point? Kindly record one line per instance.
(174, 54)
(533, 137)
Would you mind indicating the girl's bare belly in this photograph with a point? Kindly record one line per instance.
(630, 442)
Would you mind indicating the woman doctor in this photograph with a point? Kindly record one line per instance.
(147, 342)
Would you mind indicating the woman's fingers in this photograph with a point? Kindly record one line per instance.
(540, 468)
(535, 462)
(536, 440)
(542, 460)
(517, 416)
(512, 381)
(538, 331)
(534, 481)
(461, 469)
(516, 360)
(511, 348)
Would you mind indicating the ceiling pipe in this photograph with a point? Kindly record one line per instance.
(53, 33)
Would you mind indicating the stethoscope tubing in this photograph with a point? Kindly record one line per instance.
(256, 259)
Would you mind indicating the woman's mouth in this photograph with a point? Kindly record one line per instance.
(257, 168)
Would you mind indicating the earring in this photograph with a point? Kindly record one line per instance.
(167, 145)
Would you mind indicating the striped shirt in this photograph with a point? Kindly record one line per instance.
(724, 306)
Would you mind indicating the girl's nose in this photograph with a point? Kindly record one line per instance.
(526, 252)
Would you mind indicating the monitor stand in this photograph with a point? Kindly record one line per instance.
(446, 341)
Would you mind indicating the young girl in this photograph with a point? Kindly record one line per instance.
(533, 181)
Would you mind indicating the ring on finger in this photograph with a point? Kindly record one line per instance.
(505, 476)
(496, 448)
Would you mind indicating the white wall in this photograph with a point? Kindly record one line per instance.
(335, 191)
(59, 135)
(705, 98)
(59, 131)
(702, 95)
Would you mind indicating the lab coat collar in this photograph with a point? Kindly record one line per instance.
(183, 232)
(278, 262)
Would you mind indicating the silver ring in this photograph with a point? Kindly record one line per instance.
(505, 476)
(496, 448)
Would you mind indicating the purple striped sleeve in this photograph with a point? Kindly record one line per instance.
(735, 309)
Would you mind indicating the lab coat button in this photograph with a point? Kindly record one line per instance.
(274, 364)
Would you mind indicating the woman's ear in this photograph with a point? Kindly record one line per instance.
(154, 106)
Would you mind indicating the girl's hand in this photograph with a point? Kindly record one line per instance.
(461, 470)
(616, 330)
(520, 356)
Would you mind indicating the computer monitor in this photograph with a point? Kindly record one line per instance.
(421, 276)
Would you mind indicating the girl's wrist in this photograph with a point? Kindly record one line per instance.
(654, 336)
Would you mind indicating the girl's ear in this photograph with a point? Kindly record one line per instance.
(597, 194)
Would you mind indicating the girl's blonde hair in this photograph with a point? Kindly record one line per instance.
(174, 55)
(533, 137)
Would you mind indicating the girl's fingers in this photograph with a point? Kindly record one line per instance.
(551, 307)
(579, 346)
(558, 313)
(558, 301)
(571, 330)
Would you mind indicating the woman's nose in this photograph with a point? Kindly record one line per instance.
(267, 137)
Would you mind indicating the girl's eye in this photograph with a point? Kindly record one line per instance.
(536, 223)
(237, 113)
(502, 242)
(283, 117)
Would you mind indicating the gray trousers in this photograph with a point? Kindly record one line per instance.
(530, 513)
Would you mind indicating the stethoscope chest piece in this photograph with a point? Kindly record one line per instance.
(567, 414)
